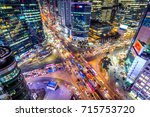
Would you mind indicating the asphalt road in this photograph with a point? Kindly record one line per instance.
(54, 58)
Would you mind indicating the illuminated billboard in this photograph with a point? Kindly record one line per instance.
(141, 41)
(80, 16)
(138, 46)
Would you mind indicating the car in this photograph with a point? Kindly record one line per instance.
(73, 61)
(79, 66)
(87, 93)
(93, 72)
(52, 85)
(75, 72)
(85, 70)
(35, 75)
(89, 75)
(91, 87)
(49, 65)
(52, 69)
(98, 86)
(72, 55)
(60, 66)
(82, 74)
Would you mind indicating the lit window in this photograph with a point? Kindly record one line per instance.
(147, 87)
(137, 84)
(142, 84)
(142, 75)
(146, 78)
(143, 80)
(140, 87)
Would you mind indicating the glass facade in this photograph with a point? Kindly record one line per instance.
(141, 87)
(96, 9)
(138, 60)
(80, 16)
(21, 25)
(12, 83)
(13, 30)
(33, 19)
(131, 12)
(141, 41)
(64, 11)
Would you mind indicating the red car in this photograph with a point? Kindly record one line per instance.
(91, 87)
(89, 75)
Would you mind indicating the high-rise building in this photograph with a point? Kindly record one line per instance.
(104, 10)
(14, 29)
(109, 10)
(131, 11)
(64, 11)
(32, 16)
(96, 9)
(12, 83)
(138, 60)
(80, 18)
(141, 86)
(21, 26)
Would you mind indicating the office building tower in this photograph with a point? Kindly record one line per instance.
(12, 83)
(135, 11)
(106, 10)
(141, 87)
(14, 29)
(80, 18)
(21, 26)
(116, 7)
(61, 9)
(96, 9)
(33, 19)
(131, 12)
(64, 12)
(138, 59)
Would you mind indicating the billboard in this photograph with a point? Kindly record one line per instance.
(80, 17)
(136, 68)
(141, 41)
(138, 46)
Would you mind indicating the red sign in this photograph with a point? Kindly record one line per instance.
(138, 46)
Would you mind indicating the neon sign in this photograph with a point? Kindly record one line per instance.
(138, 46)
